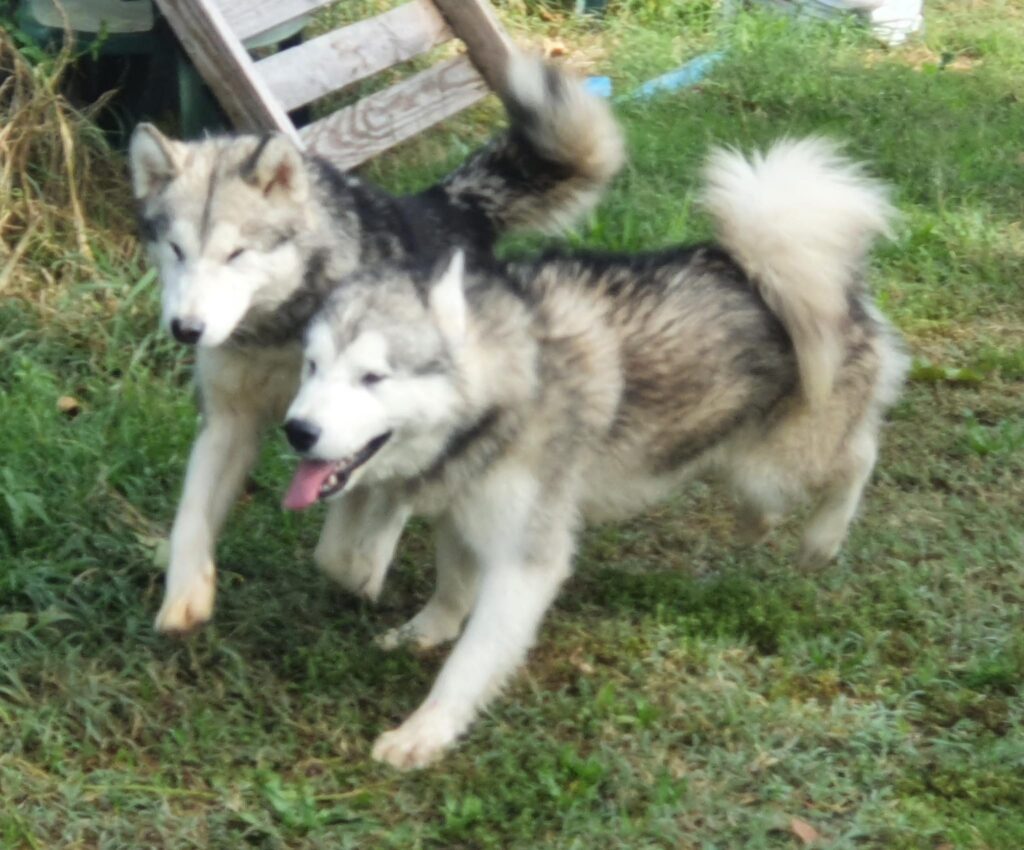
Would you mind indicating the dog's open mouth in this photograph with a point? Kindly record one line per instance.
(319, 479)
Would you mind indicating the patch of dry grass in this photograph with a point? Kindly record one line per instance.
(63, 196)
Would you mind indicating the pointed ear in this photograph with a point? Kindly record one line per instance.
(447, 298)
(275, 167)
(153, 158)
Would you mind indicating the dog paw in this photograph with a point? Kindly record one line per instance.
(187, 610)
(359, 575)
(426, 630)
(420, 741)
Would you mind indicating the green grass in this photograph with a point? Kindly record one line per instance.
(686, 692)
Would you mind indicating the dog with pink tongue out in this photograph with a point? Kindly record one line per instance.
(513, 402)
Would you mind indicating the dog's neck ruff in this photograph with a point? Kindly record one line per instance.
(282, 323)
(461, 442)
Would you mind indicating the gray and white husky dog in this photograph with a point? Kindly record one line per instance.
(513, 403)
(250, 235)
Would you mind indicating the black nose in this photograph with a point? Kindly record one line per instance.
(187, 331)
(301, 434)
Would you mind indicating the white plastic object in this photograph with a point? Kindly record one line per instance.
(892, 21)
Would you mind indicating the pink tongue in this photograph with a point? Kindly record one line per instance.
(305, 486)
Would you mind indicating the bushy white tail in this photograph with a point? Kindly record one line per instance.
(799, 219)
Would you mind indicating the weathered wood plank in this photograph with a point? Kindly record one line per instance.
(380, 121)
(223, 63)
(476, 24)
(248, 18)
(336, 59)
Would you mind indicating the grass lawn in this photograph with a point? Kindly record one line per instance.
(686, 692)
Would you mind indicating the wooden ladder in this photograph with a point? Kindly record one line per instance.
(258, 94)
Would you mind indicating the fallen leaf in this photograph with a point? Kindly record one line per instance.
(804, 831)
(555, 47)
(69, 406)
(162, 554)
(16, 621)
(580, 663)
(933, 373)
(52, 615)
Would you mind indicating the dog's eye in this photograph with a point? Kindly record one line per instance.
(310, 368)
(234, 255)
(371, 378)
(179, 255)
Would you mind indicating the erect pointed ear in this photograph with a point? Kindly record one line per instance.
(447, 299)
(275, 167)
(153, 158)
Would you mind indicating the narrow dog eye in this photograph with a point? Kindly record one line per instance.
(234, 255)
(310, 368)
(179, 255)
(371, 378)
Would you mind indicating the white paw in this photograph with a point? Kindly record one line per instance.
(431, 627)
(422, 739)
(188, 608)
(357, 573)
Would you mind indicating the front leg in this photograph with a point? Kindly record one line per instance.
(222, 456)
(525, 556)
(359, 538)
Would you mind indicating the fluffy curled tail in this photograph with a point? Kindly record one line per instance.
(800, 220)
(556, 159)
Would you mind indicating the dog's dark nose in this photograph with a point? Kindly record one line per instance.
(301, 434)
(187, 331)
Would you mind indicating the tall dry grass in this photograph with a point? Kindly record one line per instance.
(65, 207)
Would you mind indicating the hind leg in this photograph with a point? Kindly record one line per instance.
(761, 497)
(442, 617)
(827, 527)
(754, 522)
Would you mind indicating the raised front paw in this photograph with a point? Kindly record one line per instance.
(187, 608)
(421, 740)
